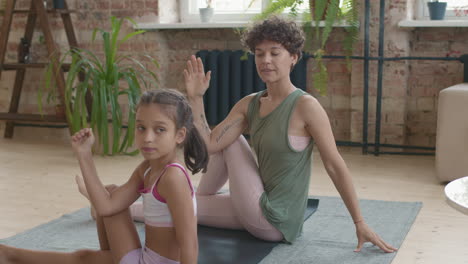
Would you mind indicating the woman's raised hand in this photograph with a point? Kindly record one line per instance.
(82, 141)
(196, 81)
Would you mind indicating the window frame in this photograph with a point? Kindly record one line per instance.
(423, 12)
(187, 17)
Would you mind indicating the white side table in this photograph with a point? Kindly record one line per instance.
(456, 193)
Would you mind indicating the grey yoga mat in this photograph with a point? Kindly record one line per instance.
(328, 236)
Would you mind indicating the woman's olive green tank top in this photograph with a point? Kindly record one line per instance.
(285, 172)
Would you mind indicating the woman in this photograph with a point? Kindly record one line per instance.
(269, 199)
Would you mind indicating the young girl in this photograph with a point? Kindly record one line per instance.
(164, 123)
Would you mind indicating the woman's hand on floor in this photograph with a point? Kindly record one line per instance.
(365, 234)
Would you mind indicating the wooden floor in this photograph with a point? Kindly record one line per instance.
(37, 185)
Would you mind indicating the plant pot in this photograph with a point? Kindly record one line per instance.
(59, 4)
(437, 10)
(206, 14)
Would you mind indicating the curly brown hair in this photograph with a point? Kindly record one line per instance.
(285, 32)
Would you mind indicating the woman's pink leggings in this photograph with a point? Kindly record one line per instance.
(240, 208)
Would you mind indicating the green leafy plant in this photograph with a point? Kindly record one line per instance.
(107, 81)
(319, 21)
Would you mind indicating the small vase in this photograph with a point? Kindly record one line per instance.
(206, 14)
(437, 10)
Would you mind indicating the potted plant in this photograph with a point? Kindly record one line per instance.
(436, 9)
(110, 81)
(318, 24)
(206, 13)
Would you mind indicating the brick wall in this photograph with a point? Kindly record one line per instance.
(428, 78)
(410, 88)
(89, 15)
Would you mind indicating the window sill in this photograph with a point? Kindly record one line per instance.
(199, 25)
(156, 26)
(433, 23)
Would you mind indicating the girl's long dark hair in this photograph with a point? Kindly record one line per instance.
(177, 107)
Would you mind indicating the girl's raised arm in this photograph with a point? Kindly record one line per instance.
(104, 203)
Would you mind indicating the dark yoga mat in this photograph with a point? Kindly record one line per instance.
(223, 246)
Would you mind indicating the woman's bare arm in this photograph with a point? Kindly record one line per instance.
(318, 126)
(196, 83)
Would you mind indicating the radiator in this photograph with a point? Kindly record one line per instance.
(233, 78)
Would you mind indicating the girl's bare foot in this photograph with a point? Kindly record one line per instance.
(82, 189)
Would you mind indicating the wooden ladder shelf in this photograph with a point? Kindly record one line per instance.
(37, 11)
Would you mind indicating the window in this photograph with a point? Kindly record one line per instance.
(225, 10)
(456, 9)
